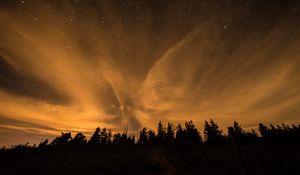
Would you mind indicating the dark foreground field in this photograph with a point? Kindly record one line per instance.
(147, 159)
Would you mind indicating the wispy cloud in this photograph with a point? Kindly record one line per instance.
(68, 66)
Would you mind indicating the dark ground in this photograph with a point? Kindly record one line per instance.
(143, 159)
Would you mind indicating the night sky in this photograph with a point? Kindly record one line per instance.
(78, 64)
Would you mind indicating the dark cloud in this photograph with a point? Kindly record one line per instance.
(19, 83)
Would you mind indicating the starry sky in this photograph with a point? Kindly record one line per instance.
(74, 65)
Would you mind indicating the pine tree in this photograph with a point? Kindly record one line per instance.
(192, 132)
(161, 133)
(152, 138)
(79, 139)
(180, 135)
(64, 139)
(170, 134)
(95, 139)
(143, 139)
(212, 133)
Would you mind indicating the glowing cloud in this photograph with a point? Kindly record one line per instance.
(78, 65)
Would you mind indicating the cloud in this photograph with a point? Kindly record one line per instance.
(18, 83)
(13, 136)
(6, 121)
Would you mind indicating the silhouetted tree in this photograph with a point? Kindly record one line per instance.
(242, 136)
(123, 138)
(43, 144)
(295, 133)
(79, 139)
(267, 133)
(188, 134)
(151, 137)
(192, 132)
(170, 134)
(263, 130)
(161, 133)
(62, 140)
(237, 128)
(181, 135)
(131, 139)
(143, 137)
(252, 137)
(21, 147)
(95, 139)
(109, 137)
(117, 139)
(280, 134)
(105, 136)
(212, 133)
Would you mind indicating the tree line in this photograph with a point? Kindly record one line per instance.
(186, 134)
